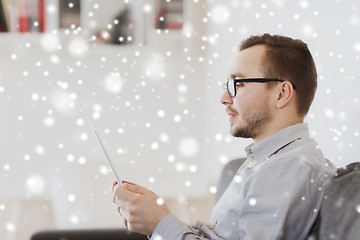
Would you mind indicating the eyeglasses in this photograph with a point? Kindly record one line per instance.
(230, 85)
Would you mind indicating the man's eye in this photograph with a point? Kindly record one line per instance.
(239, 84)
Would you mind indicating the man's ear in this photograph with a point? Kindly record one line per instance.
(285, 94)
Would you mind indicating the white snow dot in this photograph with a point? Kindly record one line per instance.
(160, 201)
(308, 30)
(177, 118)
(10, 227)
(84, 136)
(237, 179)
(80, 122)
(329, 113)
(223, 159)
(157, 237)
(304, 4)
(73, 96)
(55, 59)
(74, 219)
(51, 8)
(70, 158)
(71, 198)
(193, 168)
(213, 189)
(6, 167)
(164, 137)
(120, 151)
(188, 184)
(104, 170)
(188, 147)
(154, 146)
(182, 88)
(161, 113)
(218, 137)
(2, 207)
(147, 8)
(35, 184)
(151, 179)
(171, 158)
(358, 208)
(252, 201)
(357, 46)
(49, 121)
(82, 160)
(35, 96)
(96, 115)
(40, 150)
(180, 167)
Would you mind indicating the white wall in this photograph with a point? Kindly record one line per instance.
(187, 84)
(156, 113)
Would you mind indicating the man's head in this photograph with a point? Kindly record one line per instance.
(258, 109)
(288, 59)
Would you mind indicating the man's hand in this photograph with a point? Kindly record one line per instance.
(141, 209)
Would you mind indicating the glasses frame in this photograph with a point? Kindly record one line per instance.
(258, 80)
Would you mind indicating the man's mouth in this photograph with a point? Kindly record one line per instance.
(231, 115)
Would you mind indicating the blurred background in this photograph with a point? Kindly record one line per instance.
(149, 75)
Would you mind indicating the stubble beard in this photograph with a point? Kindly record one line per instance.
(252, 122)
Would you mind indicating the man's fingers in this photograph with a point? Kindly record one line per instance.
(120, 212)
(133, 187)
(114, 184)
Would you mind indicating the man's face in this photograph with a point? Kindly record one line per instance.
(249, 110)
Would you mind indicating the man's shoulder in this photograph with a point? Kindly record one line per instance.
(305, 154)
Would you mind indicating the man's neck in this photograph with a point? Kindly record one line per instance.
(274, 128)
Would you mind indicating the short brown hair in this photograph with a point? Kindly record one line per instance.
(288, 59)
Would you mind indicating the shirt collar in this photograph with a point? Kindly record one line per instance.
(270, 145)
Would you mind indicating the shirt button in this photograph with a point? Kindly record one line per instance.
(251, 164)
(212, 226)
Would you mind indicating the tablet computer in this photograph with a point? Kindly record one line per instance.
(107, 156)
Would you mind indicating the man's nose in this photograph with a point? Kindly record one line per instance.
(226, 99)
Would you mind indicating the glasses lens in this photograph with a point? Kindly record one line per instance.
(231, 87)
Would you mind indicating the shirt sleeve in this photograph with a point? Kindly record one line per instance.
(172, 228)
(277, 206)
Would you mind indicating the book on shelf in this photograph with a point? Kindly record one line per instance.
(69, 13)
(3, 22)
(41, 15)
(23, 16)
(169, 15)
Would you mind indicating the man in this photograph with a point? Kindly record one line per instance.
(277, 192)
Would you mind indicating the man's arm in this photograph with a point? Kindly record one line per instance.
(144, 212)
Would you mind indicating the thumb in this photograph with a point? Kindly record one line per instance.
(132, 187)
